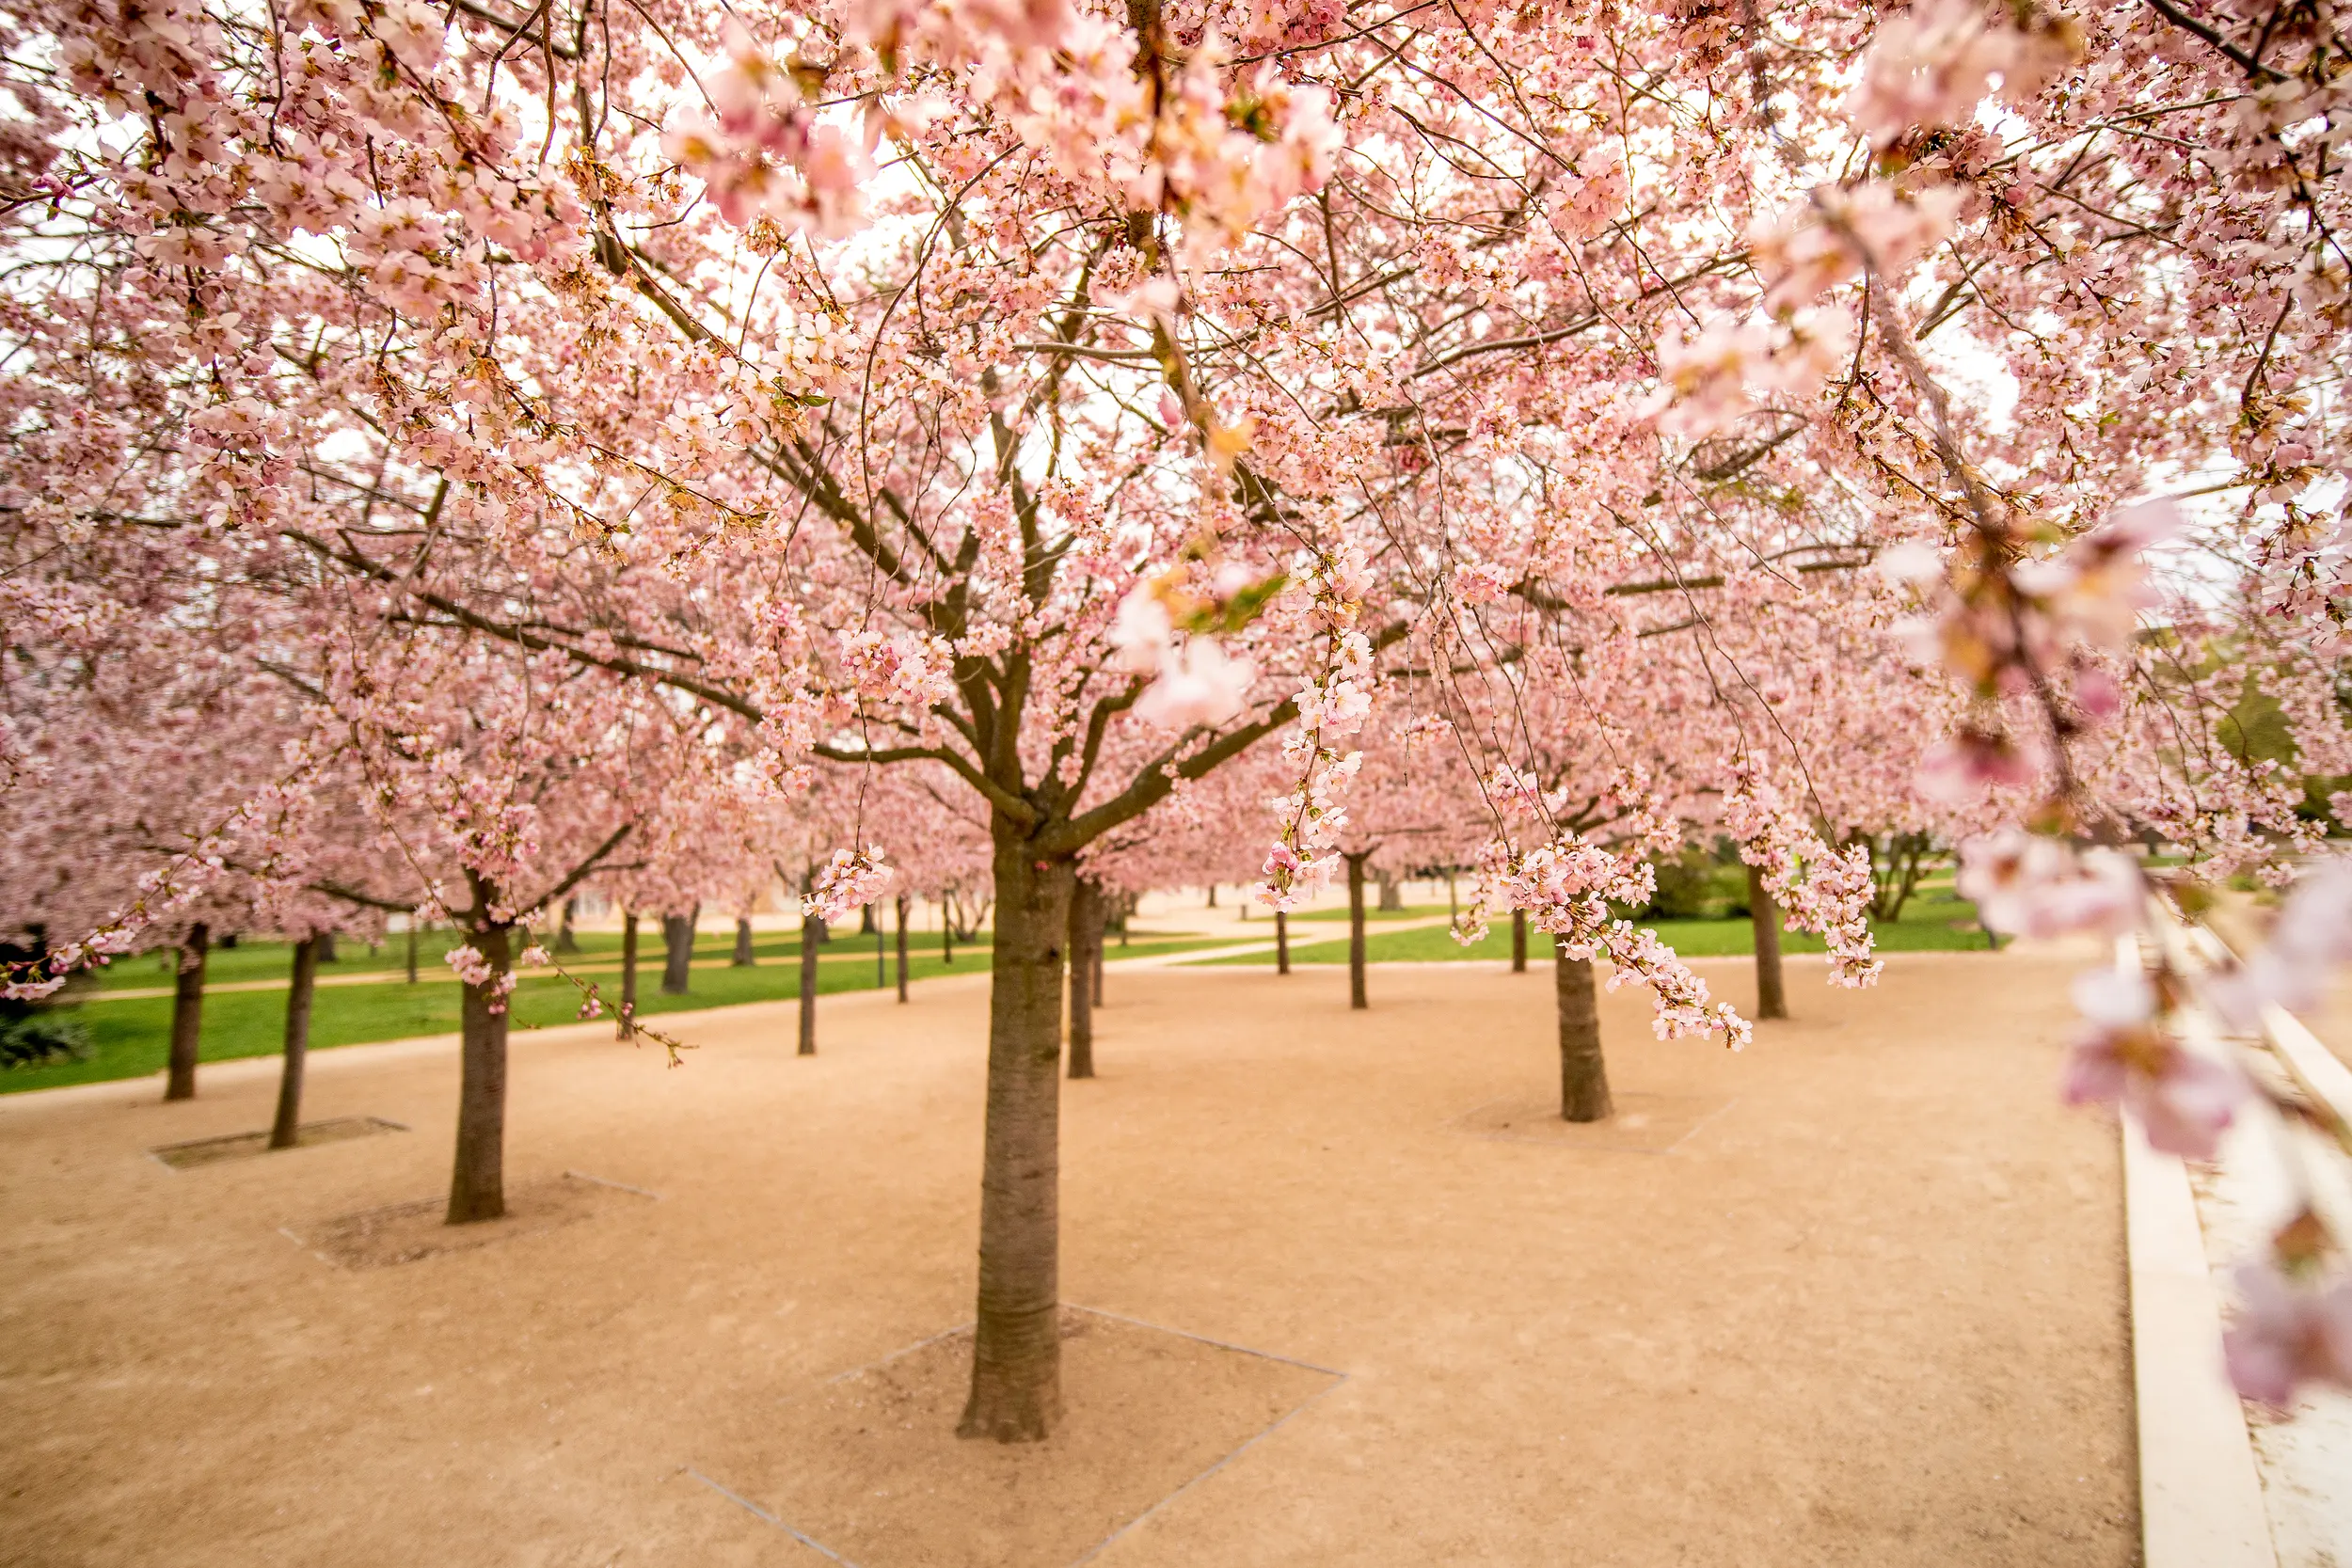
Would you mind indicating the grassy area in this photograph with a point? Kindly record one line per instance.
(128, 1037)
(1932, 921)
(270, 961)
(1411, 911)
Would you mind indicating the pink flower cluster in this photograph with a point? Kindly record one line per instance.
(761, 152)
(851, 879)
(2182, 1100)
(1931, 66)
(1194, 683)
(1333, 707)
(474, 970)
(1822, 890)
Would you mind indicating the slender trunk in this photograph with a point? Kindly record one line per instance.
(187, 1013)
(1771, 1000)
(1392, 894)
(1102, 924)
(1281, 941)
(1212, 895)
(1086, 948)
(412, 949)
(283, 1131)
(1355, 997)
(946, 935)
(744, 956)
(564, 940)
(1016, 1343)
(812, 933)
(1583, 1075)
(477, 1183)
(903, 947)
(327, 948)
(1518, 941)
(629, 974)
(677, 953)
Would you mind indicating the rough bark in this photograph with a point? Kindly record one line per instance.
(903, 947)
(288, 1125)
(1355, 997)
(1518, 941)
(1281, 941)
(187, 1013)
(1016, 1348)
(629, 975)
(477, 1183)
(1771, 1000)
(677, 953)
(1583, 1075)
(744, 956)
(812, 934)
(1086, 951)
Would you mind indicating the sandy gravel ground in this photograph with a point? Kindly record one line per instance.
(1867, 1309)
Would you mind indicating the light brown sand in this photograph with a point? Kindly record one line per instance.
(1868, 1311)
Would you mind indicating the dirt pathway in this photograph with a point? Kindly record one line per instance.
(1867, 1311)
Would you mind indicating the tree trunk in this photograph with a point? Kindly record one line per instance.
(327, 948)
(412, 949)
(903, 947)
(187, 1013)
(564, 940)
(1355, 997)
(1583, 1075)
(946, 935)
(477, 1183)
(744, 956)
(677, 953)
(629, 975)
(1212, 895)
(866, 923)
(1771, 1001)
(1086, 949)
(812, 932)
(283, 1131)
(1392, 893)
(1518, 941)
(1016, 1344)
(1281, 941)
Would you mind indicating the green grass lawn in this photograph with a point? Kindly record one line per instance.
(1931, 922)
(128, 1037)
(271, 961)
(1411, 911)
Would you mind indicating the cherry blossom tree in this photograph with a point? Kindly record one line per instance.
(1071, 397)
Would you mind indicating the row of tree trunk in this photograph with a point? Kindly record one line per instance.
(1050, 922)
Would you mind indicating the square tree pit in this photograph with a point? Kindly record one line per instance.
(867, 1469)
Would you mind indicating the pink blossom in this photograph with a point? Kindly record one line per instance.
(851, 879)
(1199, 684)
(2035, 886)
(2288, 1330)
(2181, 1099)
